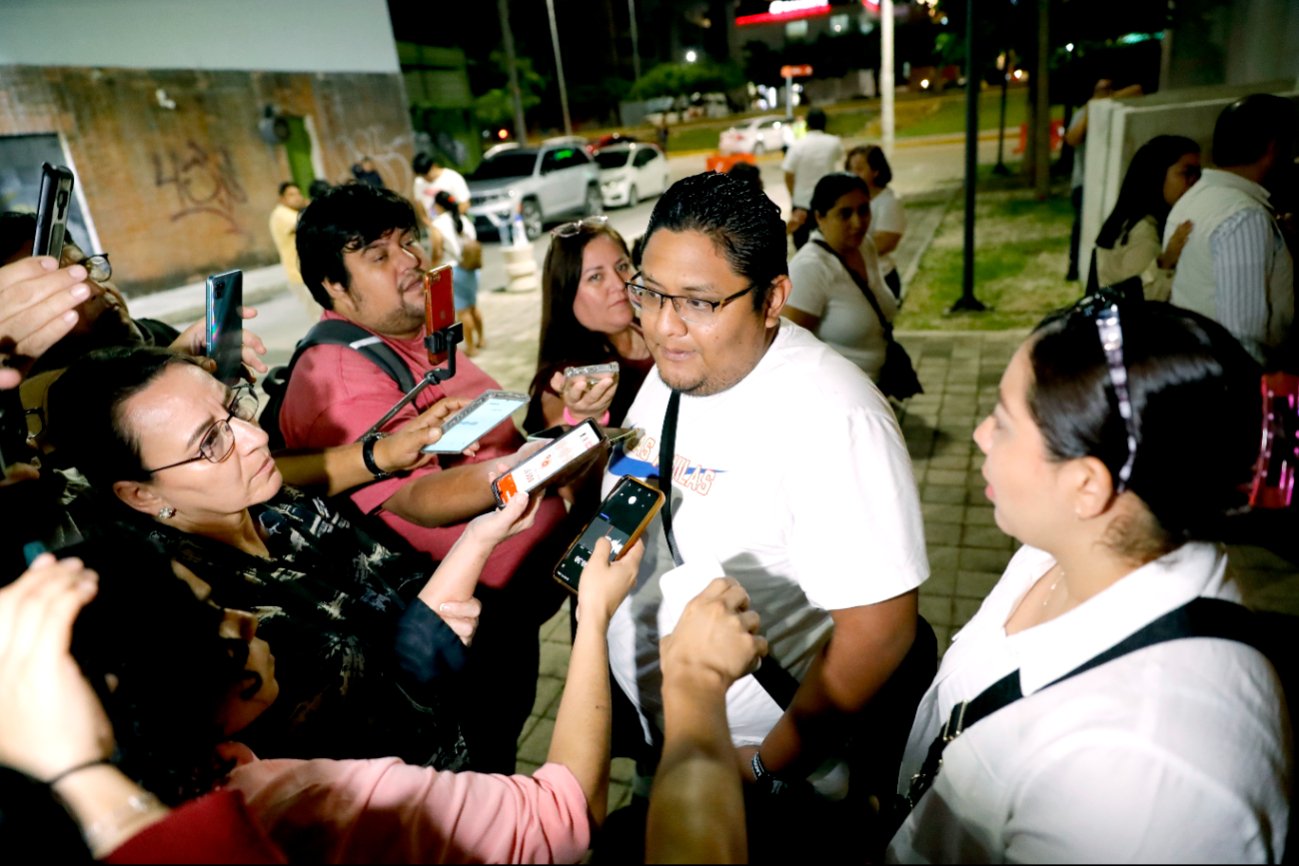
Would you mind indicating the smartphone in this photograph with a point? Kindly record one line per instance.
(439, 308)
(52, 210)
(554, 463)
(475, 421)
(224, 335)
(622, 517)
(550, 434)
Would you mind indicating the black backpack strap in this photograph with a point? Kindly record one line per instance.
(336, 332)
(1199, 617)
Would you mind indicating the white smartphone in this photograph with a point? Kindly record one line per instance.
(557, 461)
(475, 421)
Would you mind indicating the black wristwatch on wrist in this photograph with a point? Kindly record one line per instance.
(367, 455)
(764, 779)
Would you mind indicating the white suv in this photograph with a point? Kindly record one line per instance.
(543, 184)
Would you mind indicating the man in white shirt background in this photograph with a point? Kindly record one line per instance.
(809, 159)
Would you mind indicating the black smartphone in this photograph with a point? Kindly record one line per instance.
(622, 517)
(224, 334)
(52, 210)
(555, 463)
(439, 307)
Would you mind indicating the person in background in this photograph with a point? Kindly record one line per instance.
(811, 157)
(830, 276)
(888, 218)
(284, 228)
(432, 176)
(1236, 268)
(746, 171)
(1089, 464)
(366, 172)
(1130, 242)
(457, 232)
(586, 319)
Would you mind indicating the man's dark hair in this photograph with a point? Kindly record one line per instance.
(737, 216)
(345, 219)
(422, 162)
(1246, 127)
(286, 186)
(746, 171)
(816, 119)
(318, 187)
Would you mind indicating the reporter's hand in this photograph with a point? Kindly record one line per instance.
(461, 617)
(400, 450)
(192, 341)
(585, 396)
(716, 641)
(38, 302)
(17, 473)
(604, 584)
(500, 523)
(52, 720)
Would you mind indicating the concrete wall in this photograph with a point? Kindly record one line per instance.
(275, 35)
(1237, 42)
(182, 186)
(1116, 128)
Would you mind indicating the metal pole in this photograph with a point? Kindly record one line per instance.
(1042, 112)
(1000, 167)
(559, 68)
(789, 97)
(516, 96)
(967, 302)
(887, 85)
(635, 41)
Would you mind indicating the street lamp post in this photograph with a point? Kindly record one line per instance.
(635, 41)
(887, 87)
(511, 66)
(967, 302)
(559, 68)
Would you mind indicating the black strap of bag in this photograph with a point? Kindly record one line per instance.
(1200, 617)
(865, 288)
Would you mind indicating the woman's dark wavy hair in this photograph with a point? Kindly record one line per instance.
(741, 221)
(1142, 192)
(875, 158)
(1195, 400)
(153, 654)
(345, 219)
(86, 419)
(564, 340)
(834, 186)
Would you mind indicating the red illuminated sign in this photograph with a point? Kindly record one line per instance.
(795, 10)
(795, 71)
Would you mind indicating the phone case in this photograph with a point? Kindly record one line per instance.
(591, 370)
(439, 306)
(52, 209)
(506, 402)
(224, 338)
(625, 513)
(554, 464)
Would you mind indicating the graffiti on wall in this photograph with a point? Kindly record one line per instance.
(205, 181)
(390, 154)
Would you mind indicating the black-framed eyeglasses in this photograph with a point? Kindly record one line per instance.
(1102, 307)
(219, 441)
(698, 311)
(568, 230)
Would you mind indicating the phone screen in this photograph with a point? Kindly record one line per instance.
(52, 210)
(224, 335)
(439, 307)
(475, 421)
(622, 518)
(548, 462)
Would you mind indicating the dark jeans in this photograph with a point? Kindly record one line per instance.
(803, 232)
(1075, 235)
(894, 281)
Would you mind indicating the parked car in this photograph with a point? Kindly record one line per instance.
(608, 139)
(543, 184)
(757, 135)
(630, 172)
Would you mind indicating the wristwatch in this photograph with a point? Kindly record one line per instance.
(367, 455)
(764, 778)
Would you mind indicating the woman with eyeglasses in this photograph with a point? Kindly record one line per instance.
(1129, 244)
(1121, 438)
(369, 642)
(586, 319)
(832, 273)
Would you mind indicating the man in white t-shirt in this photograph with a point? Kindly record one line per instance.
(809, 159)
(789, 474)
(431, 177)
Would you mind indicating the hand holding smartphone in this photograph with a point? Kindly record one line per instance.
(555, 463)
(224, 333)
(475, 421)
(622, 517)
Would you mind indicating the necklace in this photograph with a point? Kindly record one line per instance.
(1050, 593)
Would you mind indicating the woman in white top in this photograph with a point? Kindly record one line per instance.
(1176, 752)
(456, 231)
(1130, 243)
(888, 219)
(828, 296)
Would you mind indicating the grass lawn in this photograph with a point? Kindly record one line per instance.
(1021, 253)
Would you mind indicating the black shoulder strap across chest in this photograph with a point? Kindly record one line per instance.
(335, 332)
(1200, 617)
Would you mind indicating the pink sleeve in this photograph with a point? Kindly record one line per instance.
(384, 811)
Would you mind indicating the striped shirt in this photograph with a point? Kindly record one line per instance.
(1245, 246)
